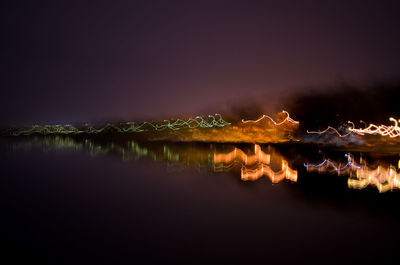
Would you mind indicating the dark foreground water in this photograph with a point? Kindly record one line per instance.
(77, 201)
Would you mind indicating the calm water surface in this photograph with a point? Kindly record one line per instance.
(78, 201)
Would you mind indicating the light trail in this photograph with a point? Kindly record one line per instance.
(191, 129)
(287, 119)
(384, 178)
(237, 154)
(392, 131)
(255, 166)
(275, 176)
(328, 130)
(326, 163)
(128, 127)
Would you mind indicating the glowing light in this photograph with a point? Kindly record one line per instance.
(383, 130)
(324, 166)
(237, 154)
(384, 178)
(255, 166)
(211, 129)
(287, 119)
(329, 129)
(128, 127)
(175, 156)
(391, 130)
(285, 173)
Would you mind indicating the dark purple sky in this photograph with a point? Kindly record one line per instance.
(64, 62)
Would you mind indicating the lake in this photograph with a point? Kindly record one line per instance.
(86, 201)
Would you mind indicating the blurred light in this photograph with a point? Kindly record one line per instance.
(384, 178)
(255, 166)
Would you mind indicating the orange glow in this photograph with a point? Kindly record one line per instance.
(255, 166)
(264, 130)
(258, 157)
(285, 173)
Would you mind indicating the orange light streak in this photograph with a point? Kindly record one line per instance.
(255, 166)
(237, 154)
(287, 119)
(275, 177)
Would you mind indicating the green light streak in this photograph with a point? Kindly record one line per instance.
(127, 127)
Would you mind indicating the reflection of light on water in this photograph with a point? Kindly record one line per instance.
(327, 166)
(259, 156)
(177, 156)
(250, 165)
(255, 166)
(384, 178)
(265, 170)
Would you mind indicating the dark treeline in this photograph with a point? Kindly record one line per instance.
(334, 106)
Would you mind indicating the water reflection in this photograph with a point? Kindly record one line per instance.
(250, 162)
(254, 166)
(360, 175)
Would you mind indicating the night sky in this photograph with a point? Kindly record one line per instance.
(68, 62)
